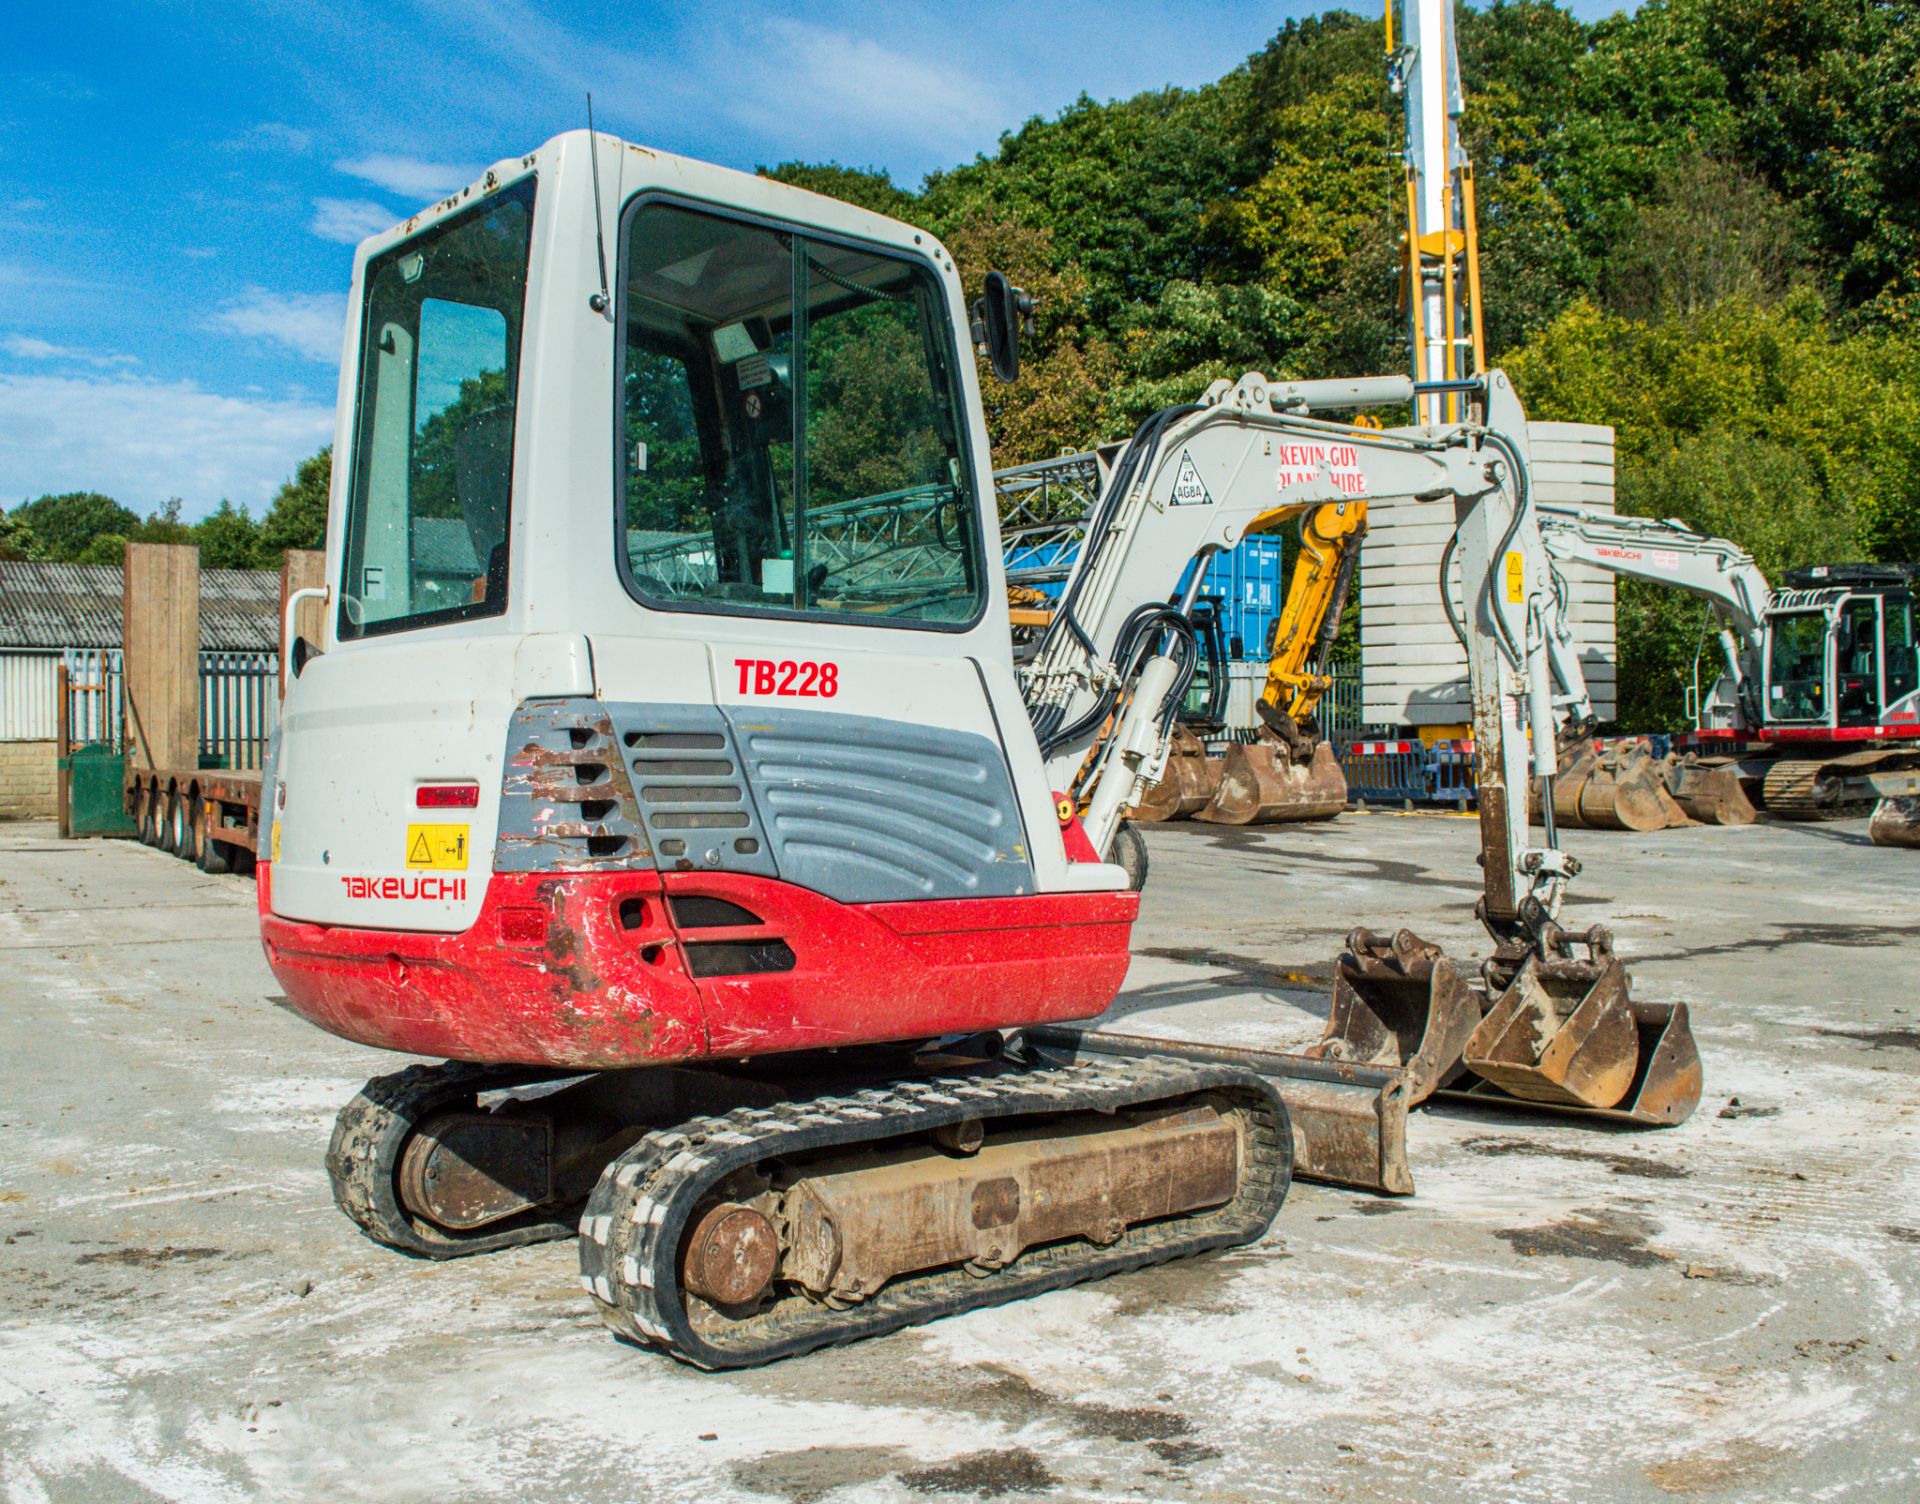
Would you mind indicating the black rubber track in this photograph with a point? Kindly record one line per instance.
(630, 1236)
(370, 1134)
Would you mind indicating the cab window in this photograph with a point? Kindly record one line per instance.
(793, 434)
(433, 448)
(1797, 667)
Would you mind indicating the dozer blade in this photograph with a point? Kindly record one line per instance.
(1261, 785)
(1349, 1121)
(1186, 786)
(1399, 1003)
(1564, 1034)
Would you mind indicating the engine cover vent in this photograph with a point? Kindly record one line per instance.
(566, 803)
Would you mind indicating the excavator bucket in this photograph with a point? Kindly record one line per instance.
(1624, 788)
(1896, 822)
(1565, 1033)
(1187, 785)
(1399, 1003)
(1710, 791)
(1262, 784)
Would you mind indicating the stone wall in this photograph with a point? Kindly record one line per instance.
(26, 780)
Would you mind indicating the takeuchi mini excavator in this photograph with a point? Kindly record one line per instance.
(664, 771)
(1822, 678)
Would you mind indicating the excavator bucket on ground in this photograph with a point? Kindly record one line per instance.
(1710, 790)
(1262, 783)
(1627, 788)
(1564, 1033)
(1189, 783)
(1623, 788)
(1399, 1003)
(1896, 822)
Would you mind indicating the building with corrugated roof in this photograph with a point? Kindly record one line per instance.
(55, 613)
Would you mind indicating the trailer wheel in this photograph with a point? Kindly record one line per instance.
(173, 834)
(151, 815)
(193, 826)
(214, 856)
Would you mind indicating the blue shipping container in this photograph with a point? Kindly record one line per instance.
(1248, 580)
(1252, 587)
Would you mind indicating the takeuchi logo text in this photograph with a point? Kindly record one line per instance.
(423, 887)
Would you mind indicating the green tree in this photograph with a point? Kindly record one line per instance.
(163, 524)
(228, 538)
(866, 187)
(17, 540)
(66, 524)
(1709, 230)
(1760, 422)
(1824, 95)
(297, 516)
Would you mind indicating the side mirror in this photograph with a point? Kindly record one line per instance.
(998, 314)
(303, 653)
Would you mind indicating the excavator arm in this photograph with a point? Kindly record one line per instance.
(1251, 456)
(1671, 553)
(1540, 1025)
(1303, 637)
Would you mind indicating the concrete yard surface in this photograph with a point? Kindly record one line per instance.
(1725, 1310)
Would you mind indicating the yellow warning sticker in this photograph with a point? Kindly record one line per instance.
(1516, 579)
(437, 848)
(273, 843)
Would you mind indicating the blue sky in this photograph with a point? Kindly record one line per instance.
(182, 184)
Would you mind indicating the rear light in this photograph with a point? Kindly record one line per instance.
(447, 796)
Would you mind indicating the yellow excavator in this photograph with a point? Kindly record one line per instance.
(1288, 772)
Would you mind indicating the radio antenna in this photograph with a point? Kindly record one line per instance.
(600, 302)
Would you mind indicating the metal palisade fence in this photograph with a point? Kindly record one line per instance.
(239, 704)
(239, 708)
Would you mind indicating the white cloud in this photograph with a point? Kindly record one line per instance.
(142, 441)
(348, 221)
(32, 347)
(307, 322)
(835, 77)
(409, 175)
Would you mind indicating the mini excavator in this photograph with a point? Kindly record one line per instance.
(663, 770)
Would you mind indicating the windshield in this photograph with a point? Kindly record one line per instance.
(1797, 667)
(433, 448)
(792, 437)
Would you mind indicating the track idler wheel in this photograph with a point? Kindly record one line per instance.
(1402, 1004)
(1186, 786)
(1262, 784)
(1565, 1033)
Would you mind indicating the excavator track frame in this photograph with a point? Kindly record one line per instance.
(632, 1233)
(370, 1139)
